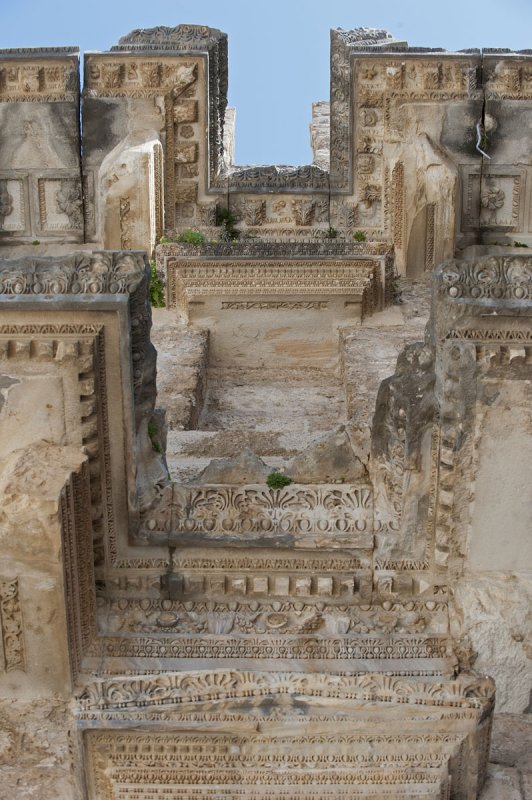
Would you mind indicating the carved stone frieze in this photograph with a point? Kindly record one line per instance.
(432, 654)
(304, 759)
(281, 179)
(475, 348)
(6, 202)
(60, 204)
(174, 47)
(177, 689)
(508, 78)
(11, 626)
(78, 546)
(333, 516)
(489, 279)
(133, 77)
(276, 618)
(397, 204)
(87, 350)
(14, 212)
(263, 305)
(43, 76)
(360, 278)
(265, 248)
(81, 273)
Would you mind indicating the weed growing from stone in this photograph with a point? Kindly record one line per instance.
(156, 288)
(276, 480)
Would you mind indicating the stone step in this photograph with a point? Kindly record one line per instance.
(189, 452)
(291, 400)
(231, 443)
(185, 470)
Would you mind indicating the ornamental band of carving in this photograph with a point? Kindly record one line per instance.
(11, 626)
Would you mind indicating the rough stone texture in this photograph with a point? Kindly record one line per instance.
(334, 458)
(245, 468)
(509, 771)
(368, 354)
(320, 134)
(502, 782)
(494, 613)
(511, 741)
(181, 369)
(35, 750)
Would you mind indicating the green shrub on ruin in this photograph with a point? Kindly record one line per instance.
(156, 287)
(276, 480)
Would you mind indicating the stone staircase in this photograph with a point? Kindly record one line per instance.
(274, 413)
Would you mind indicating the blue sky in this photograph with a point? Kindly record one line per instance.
(278, 49)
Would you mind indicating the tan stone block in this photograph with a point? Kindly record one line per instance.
(260, 585)
(302, 586)
(282, 585)
(238, 585)
(186, 153)
(217, 584)
(186, 110)
(186, 192)
(194, 584)
(347, 586)
(324, 586)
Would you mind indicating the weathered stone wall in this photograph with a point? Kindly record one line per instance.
(417, 148)
(40, 175)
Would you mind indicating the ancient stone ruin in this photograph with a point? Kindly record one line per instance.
(302, 569)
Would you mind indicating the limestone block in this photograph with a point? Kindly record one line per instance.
(182, 354)
(156, 103)
(320, 134)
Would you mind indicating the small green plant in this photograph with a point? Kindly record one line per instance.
(156, 287)
(153, 433)
(360, 236)
(276, 480)
(226, 219)
(331, 233)
(36, 241)
(190, 236)
(165, 240)
(520, 244)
